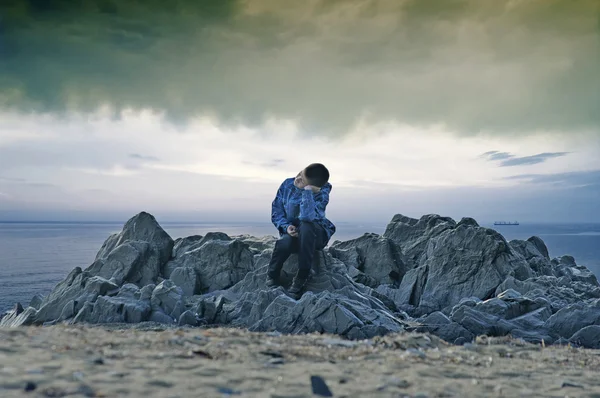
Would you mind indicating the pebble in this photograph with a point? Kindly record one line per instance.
(30, 386)
(86, 390)
(228, 391)
(98, 361)
(319, 387)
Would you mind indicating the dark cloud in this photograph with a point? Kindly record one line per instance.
(528, 160)
(508, 159)
(578, 179)
(496, 155)
(498, 66)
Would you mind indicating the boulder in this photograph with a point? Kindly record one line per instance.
(218, 261)
(440, 325)
(18, 316)
(588, 337)
(379, 258)
(186, 279)
(413, 235)
(168, 298)
(461, 262)
(458, 279)
(572, 318)
(113, 310)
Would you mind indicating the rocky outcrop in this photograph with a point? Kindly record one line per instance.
(454, 280)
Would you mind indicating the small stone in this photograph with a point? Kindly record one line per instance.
(160, 383)
(98, 361)
(567, 383)
(29, 386)
(319, 387)
(273, 354)
(78, 376)
(86, 390)
(276, 361)
(228, 391)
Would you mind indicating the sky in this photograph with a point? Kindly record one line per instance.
(197, 110)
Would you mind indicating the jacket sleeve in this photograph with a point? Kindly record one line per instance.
(278, 217)
(312, 206)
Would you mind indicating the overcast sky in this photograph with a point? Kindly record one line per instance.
(481, 108)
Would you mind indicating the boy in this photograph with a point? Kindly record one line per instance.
(298, 213)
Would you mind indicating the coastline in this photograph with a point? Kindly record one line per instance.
(155, 360)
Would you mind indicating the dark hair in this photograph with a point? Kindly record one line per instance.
(317, 174)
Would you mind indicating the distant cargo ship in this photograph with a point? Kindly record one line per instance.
(506, 223)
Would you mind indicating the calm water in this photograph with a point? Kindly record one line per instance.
(36, 256)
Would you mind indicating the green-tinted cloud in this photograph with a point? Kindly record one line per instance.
(503, 66)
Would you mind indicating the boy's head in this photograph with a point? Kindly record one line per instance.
(314, 174)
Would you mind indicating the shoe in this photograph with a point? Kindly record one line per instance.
(297, 287)
(271, 282)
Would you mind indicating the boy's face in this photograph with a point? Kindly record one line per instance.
(301, 181)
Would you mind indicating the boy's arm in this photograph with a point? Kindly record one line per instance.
(312, 206)
(278, 217)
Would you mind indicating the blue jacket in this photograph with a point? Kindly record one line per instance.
(293, 205)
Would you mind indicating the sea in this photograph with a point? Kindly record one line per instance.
(34, 257)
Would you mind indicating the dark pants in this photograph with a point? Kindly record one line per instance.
(311, 237)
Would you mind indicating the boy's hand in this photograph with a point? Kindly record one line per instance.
(292, 231)
(312, 188)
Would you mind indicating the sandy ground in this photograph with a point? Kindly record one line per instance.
(157, 362)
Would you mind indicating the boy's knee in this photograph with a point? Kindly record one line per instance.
(285, 240)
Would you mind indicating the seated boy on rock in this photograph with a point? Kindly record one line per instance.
(298, 213)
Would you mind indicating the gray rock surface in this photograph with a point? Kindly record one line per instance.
(460, 262)
(588, 337)
(377, 257)
(456, 280)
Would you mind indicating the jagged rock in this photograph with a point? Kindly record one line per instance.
(558, 291)
(186, 279)
(440, 325)
(113, 310)
(18, 316)
(143, 227)
(79, 287)
(257, 245)
(572, 318)
(413, 235)
(540, 246)
(168, 298)
(333, 303)
(588, 337)
(461, 262)
(459, 279)
(566, 266)
(137, 254)
(219, 262)
(530, 251)
(182, 245)
(36, 301)
(377, 257)
(160, 317)
(131, 291)
(481, 323)
(188, 318)
(146, 291)
(468, 221)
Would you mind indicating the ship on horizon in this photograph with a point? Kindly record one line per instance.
(506, 223)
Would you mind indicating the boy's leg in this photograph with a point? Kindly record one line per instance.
(311, 237)
(284, 246)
